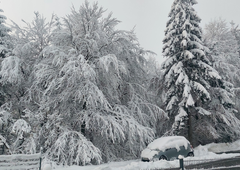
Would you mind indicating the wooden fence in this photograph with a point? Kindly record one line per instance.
(20, 162)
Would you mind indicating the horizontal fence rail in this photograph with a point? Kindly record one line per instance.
(206, 164)
(191, 163)
(194, 162)
(20, 162)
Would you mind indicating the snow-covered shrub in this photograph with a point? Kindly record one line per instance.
(72, 148)
(20, 127)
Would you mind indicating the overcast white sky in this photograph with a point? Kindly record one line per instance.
(149, 16)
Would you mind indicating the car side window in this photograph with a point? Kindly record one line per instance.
(168, 149)
(183, 148)
(171, 150)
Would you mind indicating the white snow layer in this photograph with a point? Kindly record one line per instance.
(20, 127)
(188, 54)
(180, 115)
(203, 111)
(168, 142)
(201, 153)
(190, 101)
(148, 153)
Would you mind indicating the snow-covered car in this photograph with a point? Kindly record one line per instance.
(167, 148)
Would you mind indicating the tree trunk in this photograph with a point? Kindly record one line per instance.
(190, 138)
(83, 126)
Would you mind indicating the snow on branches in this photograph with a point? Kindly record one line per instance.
(191, 81)
(20, 127)
(72, 148)
(80, 82)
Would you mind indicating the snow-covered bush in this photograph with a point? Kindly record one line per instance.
(72, 148)
(25, 141)
(20, 127)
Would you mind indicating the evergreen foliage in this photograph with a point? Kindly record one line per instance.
(5, 51)
(191, 82)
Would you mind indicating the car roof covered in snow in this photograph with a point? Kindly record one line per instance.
(164, 143)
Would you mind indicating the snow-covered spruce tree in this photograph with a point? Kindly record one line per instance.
(90, 89)
(5, 51)
(4, 48)
(190, 78)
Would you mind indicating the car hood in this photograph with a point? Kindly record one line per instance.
(148, 153)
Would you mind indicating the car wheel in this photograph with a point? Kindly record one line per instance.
(190, 154)
(162, 158)
(145, 160)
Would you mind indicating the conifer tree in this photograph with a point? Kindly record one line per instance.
(188, 74)
(4, 36)
(4, 49)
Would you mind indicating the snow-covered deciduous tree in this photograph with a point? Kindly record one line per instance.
(224, 50)
(16, 69)
(78, 88)
(188, 75)
(88, 84)
(234, 69)
(16, 75)
(225, 54)
(236, 33)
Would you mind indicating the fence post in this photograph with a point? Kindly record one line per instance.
(40, 165)
(180, 157)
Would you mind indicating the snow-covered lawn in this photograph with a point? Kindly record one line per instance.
(201, 153)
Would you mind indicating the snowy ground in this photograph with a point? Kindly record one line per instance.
(201, 153)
